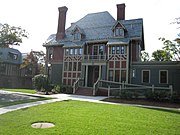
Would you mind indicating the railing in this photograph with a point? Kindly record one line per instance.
(90, 58)
(119, 87)
(77, 83)
(96, 86)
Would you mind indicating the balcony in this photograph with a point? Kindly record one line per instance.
(91, 59)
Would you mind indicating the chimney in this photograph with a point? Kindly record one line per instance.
(121, 11)
(61, 23)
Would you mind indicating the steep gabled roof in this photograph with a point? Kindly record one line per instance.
(98, 26)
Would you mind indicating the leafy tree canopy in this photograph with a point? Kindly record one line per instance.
(11, 35)
(145, 56)
(161, 55)
(172, 48)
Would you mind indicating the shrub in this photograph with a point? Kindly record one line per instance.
(40, 82)
(63, 89)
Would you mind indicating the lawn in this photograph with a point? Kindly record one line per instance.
(30, 91)
(84, 118)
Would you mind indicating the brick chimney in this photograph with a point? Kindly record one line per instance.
(61, 23)
(121, 11)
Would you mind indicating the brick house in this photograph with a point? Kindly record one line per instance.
(97, 47)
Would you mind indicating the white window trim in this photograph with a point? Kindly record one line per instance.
(160, 76)
(142, 76)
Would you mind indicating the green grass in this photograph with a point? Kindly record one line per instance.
(4, 104)
(84, 118)
(21, 90)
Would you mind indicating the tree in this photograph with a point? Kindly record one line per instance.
(172, 48)
(161, 55)
(37, 60)
(11, 35)
(145, 56)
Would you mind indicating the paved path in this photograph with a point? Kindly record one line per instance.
(61, 97)
(58, 97)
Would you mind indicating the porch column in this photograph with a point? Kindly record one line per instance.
(86, 77)
(100, 71)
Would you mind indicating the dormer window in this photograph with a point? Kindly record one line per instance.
(119, 32)
(77, 35)
(119, 29)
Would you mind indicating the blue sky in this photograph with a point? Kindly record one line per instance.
(40, 17)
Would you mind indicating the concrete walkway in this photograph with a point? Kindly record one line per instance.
(61, 97)
(57, 97)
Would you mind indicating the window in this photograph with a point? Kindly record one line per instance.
(75, 51)
(13, 56)
(77, 36)
(113, 50)
(71, 51)
(123, 75)
(74, 66)
(110, 75)
(101, 50)
(122, 50)
(119, 32)
(70, 66)
(133, 73)
(117, 49)
(163, 76)
(79, 66)
(80, 51)
(117, 75)
(66, 51)
(146, 76)
(95, 50)
(65, 66)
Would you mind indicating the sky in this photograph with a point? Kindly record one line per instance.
(40, 18)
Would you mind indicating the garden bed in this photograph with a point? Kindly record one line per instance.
(143, 102)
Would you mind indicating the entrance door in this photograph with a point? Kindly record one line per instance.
(93, 74)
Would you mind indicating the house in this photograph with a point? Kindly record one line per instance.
(11, 72)
(99, 47)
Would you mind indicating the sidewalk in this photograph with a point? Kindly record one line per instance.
(57, 97)
(61, 97)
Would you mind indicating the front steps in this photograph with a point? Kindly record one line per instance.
(85, 91)
(88, 91)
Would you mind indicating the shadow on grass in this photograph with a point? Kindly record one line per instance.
(165, 110)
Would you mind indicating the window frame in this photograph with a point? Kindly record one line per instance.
(160, 76)
(142, 76)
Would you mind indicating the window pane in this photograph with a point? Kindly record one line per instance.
(71, 51)
(120, 32)
(163, 76)
(117, 32)
(79, 66)
(110, 75)
(117, 75)
(123, 75)
(66, 51)
(117, 50)
(101, 50)
(65, 66)
(122, 50)
(95, 50)
(80, 51)
(70, 66)
(74, 66)
(145, 76)
(75, 51)
(117, 64)
(113, 50)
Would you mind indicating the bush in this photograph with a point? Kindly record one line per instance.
(63, 89)
(40, 82)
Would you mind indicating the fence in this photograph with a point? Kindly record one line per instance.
(116, 88)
